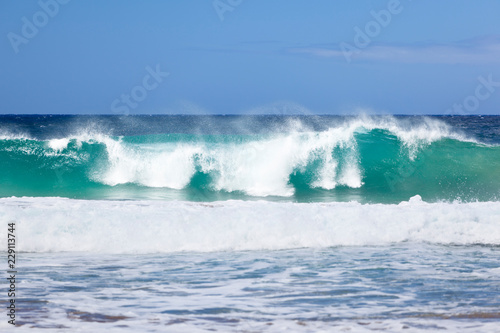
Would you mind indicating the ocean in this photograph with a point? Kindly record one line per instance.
(252, 223)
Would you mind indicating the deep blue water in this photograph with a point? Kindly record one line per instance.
(280, 158)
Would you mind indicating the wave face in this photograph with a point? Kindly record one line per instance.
(305, 159)
(105, 226)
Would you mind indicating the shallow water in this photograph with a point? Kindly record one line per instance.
(419, 287)
(252, 223)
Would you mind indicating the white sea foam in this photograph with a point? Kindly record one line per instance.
(56, 224)
(8, 133)
(406, 287)
(164, 165)
(262, 167)
(58, 144)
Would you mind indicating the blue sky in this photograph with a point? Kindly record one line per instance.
(242, 56)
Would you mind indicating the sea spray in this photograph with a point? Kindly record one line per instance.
(367, 159)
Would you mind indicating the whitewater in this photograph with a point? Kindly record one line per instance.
(253, 223)
(307, 159)
(66, 225)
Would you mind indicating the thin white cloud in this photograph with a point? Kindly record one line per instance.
(472, 51)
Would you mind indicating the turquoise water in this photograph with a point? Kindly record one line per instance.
(305, 159)
(252, 223)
